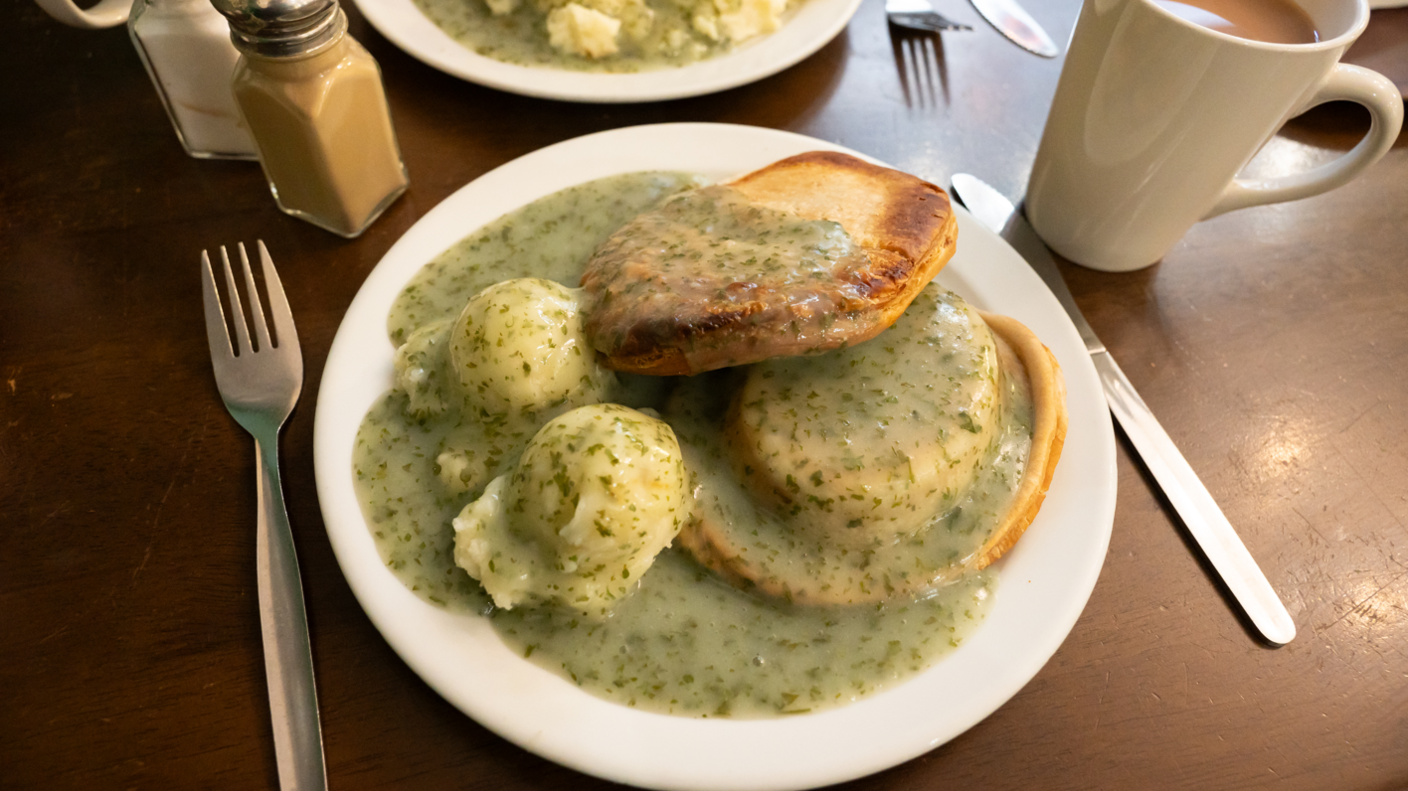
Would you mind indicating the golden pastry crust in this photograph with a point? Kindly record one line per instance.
(1024, 355)
(905, 227)
(1049, 422)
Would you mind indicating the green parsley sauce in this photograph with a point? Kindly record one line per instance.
(685, 642)
(773, 282)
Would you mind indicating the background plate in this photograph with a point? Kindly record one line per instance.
(809, 29)
(1044, 581)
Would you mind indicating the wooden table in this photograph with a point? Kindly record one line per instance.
(1272, 342)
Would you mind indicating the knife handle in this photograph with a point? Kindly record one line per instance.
(1195, 505)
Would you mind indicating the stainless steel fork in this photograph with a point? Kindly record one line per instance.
(260, 382)
(923, 72)
(919, 15)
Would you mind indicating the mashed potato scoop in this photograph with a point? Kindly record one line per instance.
(518, 347)
(597, 494)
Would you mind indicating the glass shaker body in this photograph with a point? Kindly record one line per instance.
(323, 129)
(185, 46)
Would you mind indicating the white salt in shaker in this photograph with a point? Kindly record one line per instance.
(186, 47)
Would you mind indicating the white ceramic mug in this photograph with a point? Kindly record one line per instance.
(107, 13)
(1154, 116)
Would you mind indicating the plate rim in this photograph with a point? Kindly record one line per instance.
(544, 694)
(404, 25)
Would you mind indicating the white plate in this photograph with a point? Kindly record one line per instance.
(809, 29)
(1043, 583)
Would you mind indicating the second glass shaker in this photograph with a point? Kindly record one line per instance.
(313, 100)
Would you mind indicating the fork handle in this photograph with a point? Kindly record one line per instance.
(288, 656)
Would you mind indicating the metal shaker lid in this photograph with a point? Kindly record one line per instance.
(282, 28)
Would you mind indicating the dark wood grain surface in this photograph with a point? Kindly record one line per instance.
(1272, 342)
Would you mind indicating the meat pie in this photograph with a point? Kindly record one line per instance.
(816, 252)
(877, 472)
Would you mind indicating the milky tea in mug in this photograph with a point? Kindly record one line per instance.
(1155, 114)
(1273, 21)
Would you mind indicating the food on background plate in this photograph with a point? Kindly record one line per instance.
(605, 35)
(812, 253)
(540, 480)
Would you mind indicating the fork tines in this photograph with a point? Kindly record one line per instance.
(240, 344)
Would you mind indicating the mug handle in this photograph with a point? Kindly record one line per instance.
(1352, 83)
(108, 13)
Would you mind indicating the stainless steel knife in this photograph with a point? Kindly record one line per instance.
(1190, 498)
(1012, 21)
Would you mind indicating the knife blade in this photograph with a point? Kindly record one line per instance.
(1190, 498)
(1012, 21)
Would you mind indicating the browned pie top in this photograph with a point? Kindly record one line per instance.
(811, 253)
(883, 209)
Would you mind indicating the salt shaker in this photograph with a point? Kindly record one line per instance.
(186, 48)
(313, 99)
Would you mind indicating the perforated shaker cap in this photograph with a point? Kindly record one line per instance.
(282, 28)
